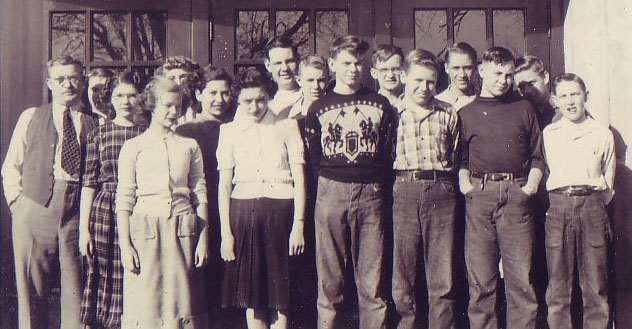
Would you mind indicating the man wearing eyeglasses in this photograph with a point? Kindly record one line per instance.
(40, 175)
(387, 67)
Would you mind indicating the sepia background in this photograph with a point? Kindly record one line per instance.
(588, 37)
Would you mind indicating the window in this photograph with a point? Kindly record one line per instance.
(311, 30)
(118, 40)
(435, 29)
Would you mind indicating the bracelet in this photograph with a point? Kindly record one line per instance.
(299, 219)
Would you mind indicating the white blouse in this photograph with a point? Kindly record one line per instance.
(260, 155)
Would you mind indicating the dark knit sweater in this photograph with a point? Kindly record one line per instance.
(500, 135)
(349, 136)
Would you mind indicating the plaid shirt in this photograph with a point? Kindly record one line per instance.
(426, 139)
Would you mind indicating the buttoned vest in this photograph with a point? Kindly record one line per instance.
(39, 155)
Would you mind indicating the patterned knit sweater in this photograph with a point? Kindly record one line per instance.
(349, 137)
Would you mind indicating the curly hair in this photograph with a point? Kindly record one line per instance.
(146, 100)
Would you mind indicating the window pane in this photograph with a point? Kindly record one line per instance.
(252, 33)
(509, 30)
(68, 35)
(470, 27)
(150, 35)
(143, 74)
(295, 25)
(330, 25)
(109, 36)
(431, 32)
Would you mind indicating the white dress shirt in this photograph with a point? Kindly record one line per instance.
(457, 101)
(12, 166)
(580, 154)
(283, 101)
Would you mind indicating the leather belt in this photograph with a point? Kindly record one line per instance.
(414, 175)
(496, 176)
(574, 190)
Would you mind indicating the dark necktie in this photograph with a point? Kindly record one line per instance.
(70, 153)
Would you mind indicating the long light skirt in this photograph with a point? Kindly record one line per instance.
(168, 292)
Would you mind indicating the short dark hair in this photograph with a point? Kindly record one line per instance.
(569, 77)
(281, 41)
(63, 60)
(212, 73)
(421, 57)
(354, 45)
(498, 55)
(384, 52)
(461, 48)
(125, 77)
(252, 77)
(529, 62)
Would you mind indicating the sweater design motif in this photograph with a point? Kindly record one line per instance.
(350, 130)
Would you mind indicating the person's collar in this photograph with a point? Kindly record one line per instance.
(244, 122)
(62, 108)
(432, 106)
(299, 108)
(456, 94)
(283, 99)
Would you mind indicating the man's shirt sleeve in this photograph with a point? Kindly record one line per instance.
(12, 166)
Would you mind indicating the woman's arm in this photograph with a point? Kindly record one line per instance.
(125, 201)
(223, 198)
(86, 246)
(129, 256)
(297, 238)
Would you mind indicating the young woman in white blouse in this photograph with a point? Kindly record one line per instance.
(161, 206)
(261, 202)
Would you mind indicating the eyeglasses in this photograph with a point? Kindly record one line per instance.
(73, 79)
(385, 71)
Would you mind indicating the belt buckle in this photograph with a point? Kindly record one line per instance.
(416, 175)
(505, 176)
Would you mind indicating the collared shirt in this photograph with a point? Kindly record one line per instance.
(12, 167)
(579, 154)
(426, 139)
(283, 101)
(457, 101)
(260, 155)
(160, 175)
(299, 109)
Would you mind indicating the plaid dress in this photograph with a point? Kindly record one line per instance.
(102, 302)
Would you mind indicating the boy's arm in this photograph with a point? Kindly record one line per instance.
(609, 165)
(312, 138)
(537, 156)
(465, 184)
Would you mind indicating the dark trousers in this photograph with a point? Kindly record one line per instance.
(423, 223)
(43, 237)
(499, 223)
(578, 233)
(349, 219)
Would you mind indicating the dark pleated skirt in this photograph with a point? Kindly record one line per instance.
(259, 275)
